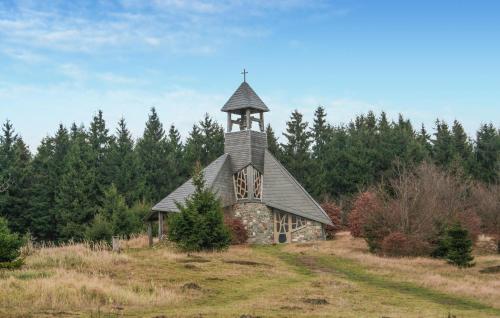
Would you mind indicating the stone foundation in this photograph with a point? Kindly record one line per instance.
(312, 231)
(258, 220)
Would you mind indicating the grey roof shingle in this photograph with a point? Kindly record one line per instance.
(244, 97)
(218, 177)
(283, 192)
(280, 190)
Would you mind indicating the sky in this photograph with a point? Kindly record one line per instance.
(62, 61)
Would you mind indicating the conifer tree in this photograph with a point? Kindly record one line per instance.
(15, 161)
(272, 142)
(194, 146)
(153, 160)
(200, 223)
(100, 142)
(321, 134)
(296, 153)
(487, 154)
(462, 148)
(175, 152)
(47, 169)
(459, 246)
(443, 153)
(213, 140)
(124, 165)
(75, 205)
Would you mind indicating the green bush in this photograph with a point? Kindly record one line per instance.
(100, 230)
(200, 223)
(10, 243)
(12, 265)
(459, 246)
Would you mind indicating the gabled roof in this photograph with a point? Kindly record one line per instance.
(283, 192)
(244, 97)
(280, 190)
(218, 177)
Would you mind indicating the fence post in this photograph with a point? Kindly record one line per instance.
(116, 244)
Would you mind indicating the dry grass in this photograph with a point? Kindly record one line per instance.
(426, 272)
(80, 279)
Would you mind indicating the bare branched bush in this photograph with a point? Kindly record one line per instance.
(487, 200)
(418, 204)
(335, 214)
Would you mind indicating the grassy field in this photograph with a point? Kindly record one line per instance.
(326, 279)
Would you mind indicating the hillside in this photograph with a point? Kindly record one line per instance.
(326, 279)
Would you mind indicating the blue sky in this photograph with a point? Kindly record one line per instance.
(61, 61)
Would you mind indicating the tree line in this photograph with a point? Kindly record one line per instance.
(86, 180)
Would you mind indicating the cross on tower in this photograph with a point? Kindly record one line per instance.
(244, 75)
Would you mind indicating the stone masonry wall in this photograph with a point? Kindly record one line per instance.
(312, 231)
(258, 220)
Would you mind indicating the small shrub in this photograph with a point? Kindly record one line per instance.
(100, 230)
(364, 204)
(238, 231)
(399, 244)
(10, 243)
(200, 223)
(459, 246)
(335, 214)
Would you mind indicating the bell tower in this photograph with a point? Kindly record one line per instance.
(246, 146)
(246, 106)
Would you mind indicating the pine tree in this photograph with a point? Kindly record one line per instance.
(200, 223)
(153, 160)
(487, 154)
(459, 246)
(194, 147)
(296, 155)
(443, 151)
(124, 165)
(462, 147)
(74, 204)
(213, 140)
(15, 160)
(179, 171)
(321, 134)
(10, 243)
(100, 142)
(425, 140)
(114, 209)
(272, 142)
(47, 168)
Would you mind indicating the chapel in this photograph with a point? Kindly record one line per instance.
(251, 183)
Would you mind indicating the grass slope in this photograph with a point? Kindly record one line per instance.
(326, 279)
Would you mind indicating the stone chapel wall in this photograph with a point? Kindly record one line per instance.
(258, 220)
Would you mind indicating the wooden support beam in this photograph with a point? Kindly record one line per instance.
(261, 122)
(150, 233)
(248, 121)
(160, 226)
(229, 122)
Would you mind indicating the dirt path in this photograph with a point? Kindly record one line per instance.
(355, 272)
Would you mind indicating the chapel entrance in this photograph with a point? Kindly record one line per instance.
(281, 227)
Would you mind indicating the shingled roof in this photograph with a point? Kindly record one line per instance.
(280, 190)
(218, 177)
(244, 97)
(283, 192)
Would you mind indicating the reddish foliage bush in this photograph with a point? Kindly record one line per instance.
(399, 244)
(238, 231)
(335, 214)
(364, 204)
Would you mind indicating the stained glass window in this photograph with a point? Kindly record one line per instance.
(240, 184)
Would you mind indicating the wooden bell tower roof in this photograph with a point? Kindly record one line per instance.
(244, 98)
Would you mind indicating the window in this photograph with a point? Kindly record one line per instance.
(240, 184)
(298, 222)
(257, 184)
